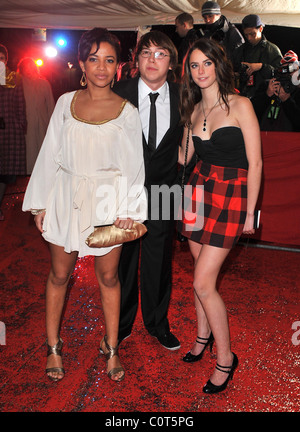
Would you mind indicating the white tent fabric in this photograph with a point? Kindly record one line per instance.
(131, 14)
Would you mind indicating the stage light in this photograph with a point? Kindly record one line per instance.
(39, 62)
(51, 51)
(61, 42)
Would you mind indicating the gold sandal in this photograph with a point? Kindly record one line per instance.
(56, 350)
(110, 354)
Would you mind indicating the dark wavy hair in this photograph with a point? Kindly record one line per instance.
(96, 36)
(158, 39)
(190, 93)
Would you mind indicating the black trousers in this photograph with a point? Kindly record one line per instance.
(155, 253)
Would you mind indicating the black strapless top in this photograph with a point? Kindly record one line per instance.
(226, 148)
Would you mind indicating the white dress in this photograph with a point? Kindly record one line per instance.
(78, 173)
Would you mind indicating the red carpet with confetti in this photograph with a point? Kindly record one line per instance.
(259, 286)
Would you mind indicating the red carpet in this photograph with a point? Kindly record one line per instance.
(260, 288)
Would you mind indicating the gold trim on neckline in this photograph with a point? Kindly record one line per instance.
(90, 122)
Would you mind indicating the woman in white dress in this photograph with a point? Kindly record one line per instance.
(93, 141)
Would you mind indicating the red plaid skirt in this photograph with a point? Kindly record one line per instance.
(215, 205)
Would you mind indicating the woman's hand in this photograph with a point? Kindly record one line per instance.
(39, 220)
(124, 223)
(249, 222)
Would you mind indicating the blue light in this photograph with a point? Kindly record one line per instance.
(61, 42)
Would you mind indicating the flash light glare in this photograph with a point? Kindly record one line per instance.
(51, 52)
(61, 42)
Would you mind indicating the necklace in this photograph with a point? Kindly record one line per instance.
(205, 116)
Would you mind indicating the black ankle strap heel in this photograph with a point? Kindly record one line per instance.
(191, 358)
(211, 388)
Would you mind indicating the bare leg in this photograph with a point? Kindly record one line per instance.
(207, 268)
(62, 266)
(203, 328)
(106, 270)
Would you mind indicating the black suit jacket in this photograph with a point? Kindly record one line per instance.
(161, 165)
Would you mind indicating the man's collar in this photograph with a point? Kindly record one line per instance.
(144, 89)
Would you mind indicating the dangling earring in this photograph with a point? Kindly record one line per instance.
(83, 81)
(112, 83)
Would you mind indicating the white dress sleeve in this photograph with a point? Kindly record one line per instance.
(134, 205)
(46, 165)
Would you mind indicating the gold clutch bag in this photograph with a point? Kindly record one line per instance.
(110, 235)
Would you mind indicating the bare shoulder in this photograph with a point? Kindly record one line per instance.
(238, 103)
(241, 109)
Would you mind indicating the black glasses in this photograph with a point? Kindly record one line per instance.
(159, 55)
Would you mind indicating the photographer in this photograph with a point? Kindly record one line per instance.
(277, 104)
(255, 60)
(219, 28)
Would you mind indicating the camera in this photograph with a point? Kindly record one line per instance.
(243, 74)
(284, 75)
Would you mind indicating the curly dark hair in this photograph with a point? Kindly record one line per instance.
(190, 93)
(97, 35)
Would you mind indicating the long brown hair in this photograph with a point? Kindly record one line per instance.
(190, 93)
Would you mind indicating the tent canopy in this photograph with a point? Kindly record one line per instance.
(131, 14)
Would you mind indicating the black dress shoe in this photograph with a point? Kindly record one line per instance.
(211, 388)
(192, 358)
(168, 341)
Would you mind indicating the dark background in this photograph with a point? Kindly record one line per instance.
(20, 43)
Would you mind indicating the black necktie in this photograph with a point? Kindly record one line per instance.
(152, 122)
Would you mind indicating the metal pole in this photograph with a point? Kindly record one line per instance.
(265, 246)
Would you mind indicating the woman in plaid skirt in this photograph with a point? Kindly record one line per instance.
(221, 194)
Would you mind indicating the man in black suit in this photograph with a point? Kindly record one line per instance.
(155, 56)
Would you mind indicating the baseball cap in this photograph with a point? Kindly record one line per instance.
(252, 21)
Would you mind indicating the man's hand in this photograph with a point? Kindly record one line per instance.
(252, 67)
